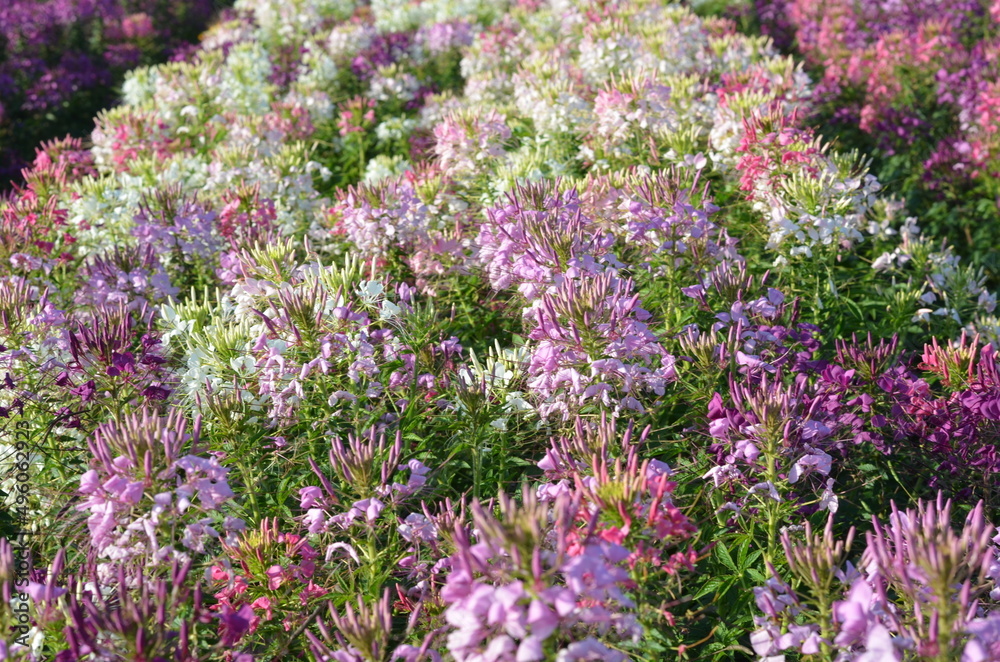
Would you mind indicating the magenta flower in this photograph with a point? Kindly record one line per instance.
(234, 624)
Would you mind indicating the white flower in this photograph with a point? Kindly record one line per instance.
(696, 161)
(370, 291)
(243, 364)
(394, 128)
(884, 261)
(384, 167)
(987, 301)
(516, 403)
(244, 86)
(828, 500)
(36, 639)
(389, 310)
(767, 488)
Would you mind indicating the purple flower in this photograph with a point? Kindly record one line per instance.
(44, 592)
(234, 624)
(369, 509)
(490, 610)
(984, 644)
(855, 614)
(879, 646)
(140, 456)
(589, 650)
(418, 527)
(309, 496)
(991, 409)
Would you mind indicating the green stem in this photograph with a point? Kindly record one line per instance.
(477, 462)
(361, 154)
(945, 610)
(372, 555)
(826, 621)
(772, 515)
(251, 492)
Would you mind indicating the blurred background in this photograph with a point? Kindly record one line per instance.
(61, 61)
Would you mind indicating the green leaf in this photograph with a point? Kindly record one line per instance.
(725, 558)
(741, 554)
(710, 586)
(751, 559)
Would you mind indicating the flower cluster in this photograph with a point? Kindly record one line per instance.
(773, 436)
(596, 324)
(365, 468)
(923, 590)
(537, 237)
(504, 599)
(467, 330)
(144, 486)
(915, 83)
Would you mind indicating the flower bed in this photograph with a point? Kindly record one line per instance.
(913, 84)
(61, 60)
(469, 331)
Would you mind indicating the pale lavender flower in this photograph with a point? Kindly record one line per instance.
(463, 142)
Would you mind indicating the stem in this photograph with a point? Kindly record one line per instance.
(361, 155)
(298, 631)
(372, 555)
(945, 610)
(254, 506)
(477, 462)
(772, 515)
(825, 620)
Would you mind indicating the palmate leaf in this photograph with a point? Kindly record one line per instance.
(725, 557)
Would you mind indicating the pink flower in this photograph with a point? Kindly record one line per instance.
(589, 650)
(264, 603)
(855, 614)
(276, 576)
(137, 26)
(44, 592)
(309, 496)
